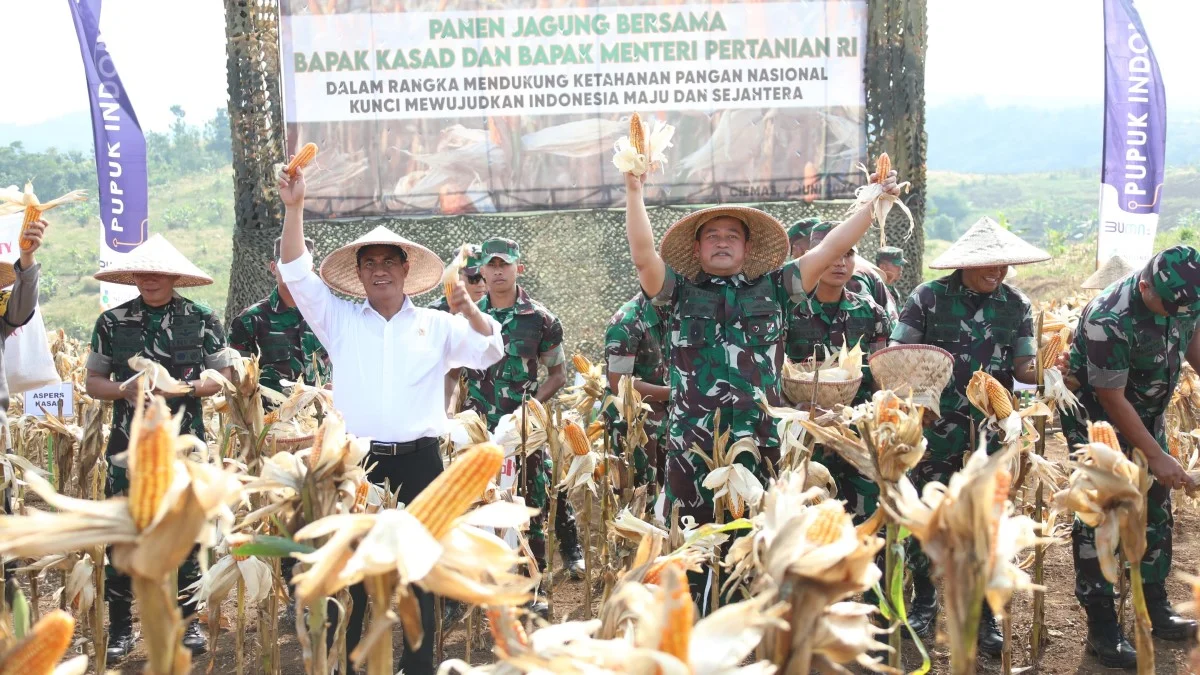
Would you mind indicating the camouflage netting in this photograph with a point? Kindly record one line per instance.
(577, 262)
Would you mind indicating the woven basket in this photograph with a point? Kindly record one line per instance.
(828, 393)
(919, 371)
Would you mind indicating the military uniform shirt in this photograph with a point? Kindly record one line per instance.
(531, 335)
(819, 329)
(281, 338)
(633, 345)
(868, 282)
(441, 304)
(184, 336)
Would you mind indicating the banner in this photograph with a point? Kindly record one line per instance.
(1135, 130)
(120, 151)
(517, 107)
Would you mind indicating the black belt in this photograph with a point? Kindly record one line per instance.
(405, 448)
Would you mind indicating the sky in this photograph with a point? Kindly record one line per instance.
(1039, 52)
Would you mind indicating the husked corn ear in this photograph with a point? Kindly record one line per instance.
(827, 527)
(577, 439)
(883, 166)
(1103, 432)
(600, 470)
(152, 463)
(32, 213)
(595, 430)
(637, 134)
(450, 275)
(302, 158)
(677, 633)
(999, 397)
(456, 488)
(314, 455)
(505, 627)
(581, 363)
(40, 651)
(1051, 350)
(538, 412)
(360, 496)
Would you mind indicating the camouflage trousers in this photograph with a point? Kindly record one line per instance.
(860, 494)
(686, 472)
(118, 587)
(1160, 523)
(648, 460)
(538, 471)
(927, 471)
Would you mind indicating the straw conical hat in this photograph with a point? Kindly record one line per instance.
(987, 244)
(340, 268)
(769, 241)
(1114, 268)
(155, 256)
(7, 274)
(919, 371)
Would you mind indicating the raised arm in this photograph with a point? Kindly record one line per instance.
(839, 240)
(291, 191)
(651, 269)
(316, 302)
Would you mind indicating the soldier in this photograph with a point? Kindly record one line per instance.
(472, 278)
(834, 316)
(891, 262)
(532, 336)
(799, 234)
(866, 280)
(274, 330)
(985, 324)
(721, 286)
(633, 346)
(186, 338)
(1129, 346)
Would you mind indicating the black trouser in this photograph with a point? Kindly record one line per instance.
(412, 472)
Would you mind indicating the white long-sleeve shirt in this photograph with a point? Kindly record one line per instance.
(389, 375)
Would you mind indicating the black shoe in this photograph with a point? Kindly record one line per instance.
(1165, 623)
(452, 611)
(193, 639)
(991, 640)
(568, 540)
(1105, 638)
(922, 613)
(120, 637)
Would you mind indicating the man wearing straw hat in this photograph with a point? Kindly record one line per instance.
(890, 260)
(834, 316)
(532, 336)
(721, 280)
(186, 338)
(274, 330)
(633, 346)
(389, 356)
(985, 324)
(1127, 355)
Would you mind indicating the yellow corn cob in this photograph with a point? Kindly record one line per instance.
(637, 134)
(314, 456)
(451, 274)
(32, 213)
(456, 488)
(152, 462)
(999, 397)
(360, 496)
(41, 650)
(883, 166)
(1103, 432)
(302, 158)
(654, 573)
(827, 528)
(1050, 351)
(677, 632)
(600, 470)
(502, 624)
(582, 364)
(595, 430)
(537, 411)
(577, 439)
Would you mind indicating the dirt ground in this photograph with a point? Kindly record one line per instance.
(1064, 651)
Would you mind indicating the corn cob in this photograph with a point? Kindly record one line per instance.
(600, 470)
(654, 573)
(582, 364)
(637, 134)
(677, 632)
(883, 166)
(239, 558)
(301, 159)
(314, 455)
(827, 528)
(34, 209)
(577, 439)
(595, 430)
(456, 488)
(152, 463)
(32, 213)
(1051, 350)
(1103, 432)
(503, 624)
(999, 397)
(360, 496)
(40, 651)
(538, 412)
(451, 274)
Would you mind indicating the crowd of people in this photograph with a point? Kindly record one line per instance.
(725, 297)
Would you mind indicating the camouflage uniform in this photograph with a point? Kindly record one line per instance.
(471, 268)
(1121, 343)
(895, 256)
(186, 338)
(987, 332)
(532, 335)
(868, 282)
(726, 346)
(286, 346)
(633, 345)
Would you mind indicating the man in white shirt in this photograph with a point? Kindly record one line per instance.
(390, 358)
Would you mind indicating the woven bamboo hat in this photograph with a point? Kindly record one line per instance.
(987, 244)
(769, 241)
(1114, 268)
(7, 274)
(340, 268)
(155, 256)
(919, 371)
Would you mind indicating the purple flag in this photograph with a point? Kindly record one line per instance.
(1135, 130)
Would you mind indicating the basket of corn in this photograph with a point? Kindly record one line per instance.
(831, 383)
(919, 372)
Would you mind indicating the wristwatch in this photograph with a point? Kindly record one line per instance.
(191, 389)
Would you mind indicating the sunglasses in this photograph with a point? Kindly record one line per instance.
(474, 278)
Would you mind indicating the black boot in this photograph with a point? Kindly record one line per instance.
(1105, 638)
(120, 630)
(1165, 622)
(922, 613)
(991, 640)
(538, 604)
(193, 639)
(568, 539)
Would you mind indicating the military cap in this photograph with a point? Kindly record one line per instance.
(891, 254)
(802, 228)
(1175, 274)
(499, 247)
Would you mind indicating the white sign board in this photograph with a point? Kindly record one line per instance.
(49, 397)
